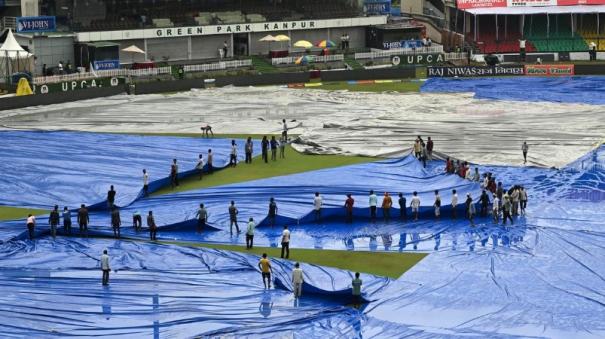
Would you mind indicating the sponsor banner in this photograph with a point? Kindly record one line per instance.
(106, 64)
(580, 2)
(68, 86)
(36, 24)
(549, 70)
(531, 3)
(465, 4)
(381, 7)
(418, 59)
(474, 71)
(402, 44)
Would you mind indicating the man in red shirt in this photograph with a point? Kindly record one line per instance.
(349, 208)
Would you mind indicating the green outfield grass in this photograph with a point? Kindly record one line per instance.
(10, 213)
(386, 264)
(293, 163)
(402, 87)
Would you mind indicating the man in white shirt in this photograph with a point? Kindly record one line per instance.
(496, 209)
(317, 202)
(297, 280)
(524, 149)
(415, 204)
(250, 234)
(437, 204)
(200, 166)
(31, 223)
(210, 158)
(593, 51)
(105, 267)
(454, 203)
(284, 128)
(145, 183)
(233, 155)
(285, 243)
(373, 200)
(522, 49)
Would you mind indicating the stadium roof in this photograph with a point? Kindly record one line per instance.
(537, 10)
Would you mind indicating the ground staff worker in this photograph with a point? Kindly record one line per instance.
(105, 267)
(250, 234)
(83, 219)
(297, 280)
(285, 243)
(31, 224)
(265, 268)
(53, 220)
(153, 228)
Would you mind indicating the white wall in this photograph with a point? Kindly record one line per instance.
(206, 47)
(50, 51)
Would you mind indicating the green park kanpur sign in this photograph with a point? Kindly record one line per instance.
(418, 59)
(74, 85)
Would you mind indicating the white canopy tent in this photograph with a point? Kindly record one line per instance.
(13, 58)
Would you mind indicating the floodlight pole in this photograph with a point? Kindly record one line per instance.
(476, 23)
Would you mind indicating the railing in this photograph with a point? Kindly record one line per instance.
(311, 59)
(218, 66)
(9, 22)
(141, 72)
(455, 56)
(102, 74)
(398, 51)
(551, 45)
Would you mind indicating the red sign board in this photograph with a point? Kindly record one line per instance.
(580, 2)
(465, 4)
(549, 70)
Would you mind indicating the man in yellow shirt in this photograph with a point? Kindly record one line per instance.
(265, 268)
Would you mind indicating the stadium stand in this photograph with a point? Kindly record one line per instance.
(558, 38)
(507, 41)
(110, 15)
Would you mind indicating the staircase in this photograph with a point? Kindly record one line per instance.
(350, 60)
(262, 65)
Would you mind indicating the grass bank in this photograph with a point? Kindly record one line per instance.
(404, 86)
(10, 213)
(386, 264)
(294, 162)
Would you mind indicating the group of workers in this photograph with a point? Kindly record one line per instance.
(507, 203)
(264, 265)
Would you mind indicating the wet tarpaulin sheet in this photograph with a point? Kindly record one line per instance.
(175, 214)
(52, 289)
(582, 90)
(294, 196)
(343, 122)
(542, 277)
(41, 169)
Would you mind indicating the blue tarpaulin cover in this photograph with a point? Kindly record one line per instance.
(41, 169)
(541, 277)
(586, 90)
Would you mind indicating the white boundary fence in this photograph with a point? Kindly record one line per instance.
(141, 72)
(398, 51)
(102, 74)
(312, 59)
(218, 66)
